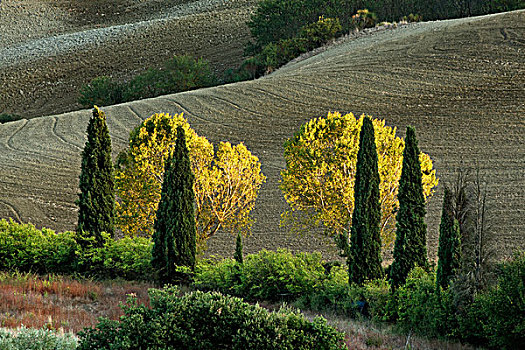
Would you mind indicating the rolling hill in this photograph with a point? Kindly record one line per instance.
(461, 83)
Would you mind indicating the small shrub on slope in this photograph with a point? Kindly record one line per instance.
(205, 321)
(101, 91)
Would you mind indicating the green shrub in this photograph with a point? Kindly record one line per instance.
(6, 117)
(501, 310)
(266, 275)
(205, 321)
(422, 308)
(181, 73)
(127, 258)
(321, 32)
(25, 248)
(36, 339)
(101, 91)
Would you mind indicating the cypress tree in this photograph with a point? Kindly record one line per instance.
(364, 261)
(410, 248)
(449, 249)
(97, 198)
(175, 234)
(238, 249)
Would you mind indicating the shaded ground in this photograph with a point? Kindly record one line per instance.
(460, 83)
(36, 86)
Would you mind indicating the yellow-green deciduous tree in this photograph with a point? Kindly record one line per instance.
(318, 182)
(226, 182)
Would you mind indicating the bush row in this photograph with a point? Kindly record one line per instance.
(200, 320)
(27, 249)
(276, 54)
(181, 73)
(494, 318)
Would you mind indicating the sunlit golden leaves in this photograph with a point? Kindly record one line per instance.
(226, 184)
(318, 182)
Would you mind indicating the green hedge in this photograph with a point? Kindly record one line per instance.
(201, 320)
(267, 275)
(495, 318)
(27, 249)
(181, 73)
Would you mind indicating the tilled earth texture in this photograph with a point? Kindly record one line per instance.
(461, 83)
(49, 49)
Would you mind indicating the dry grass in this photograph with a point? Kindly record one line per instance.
(363, 334)
(57, 302)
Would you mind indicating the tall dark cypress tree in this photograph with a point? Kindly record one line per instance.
(174, 240)
(449, 249)
(364, 261)
(238, 249)
(410, 248)
(97, 197)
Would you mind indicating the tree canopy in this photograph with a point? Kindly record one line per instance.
(226, 181)
(318, 181)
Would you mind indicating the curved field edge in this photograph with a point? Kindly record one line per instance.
(459, 82)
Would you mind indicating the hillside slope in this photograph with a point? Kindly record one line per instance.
(461, 83)
(50, 49)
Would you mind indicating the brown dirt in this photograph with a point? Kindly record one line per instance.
(50, 85)
(461, 83)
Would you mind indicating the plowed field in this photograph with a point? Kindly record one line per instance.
(461, 83)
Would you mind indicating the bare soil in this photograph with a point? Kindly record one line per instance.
(37, 86)
(461, 83)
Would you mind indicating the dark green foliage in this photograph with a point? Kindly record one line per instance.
(449, 250)
(175, 234)
(501, 311)
(276, 54)
(97, 198)
(101, 91)
(439, 9)
(24, 248)
(276, 20)
(364, 261)
(238, 249)
(410, 249)
(423, 309)
(206, 321)
(6, 117)
(181, 73)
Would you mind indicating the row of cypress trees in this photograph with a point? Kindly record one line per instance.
(363, 252)
(175, 236)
